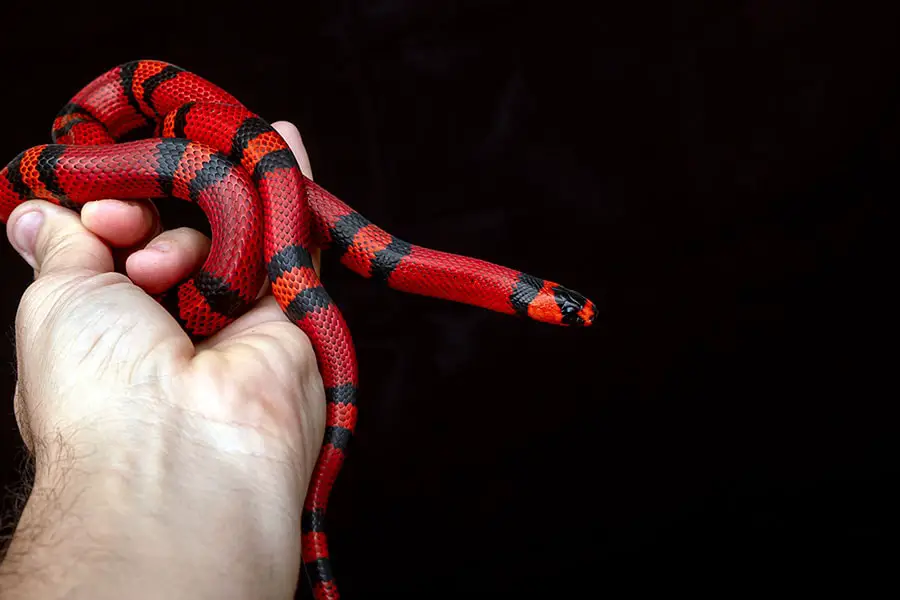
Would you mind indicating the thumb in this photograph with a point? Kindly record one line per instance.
(52, 239)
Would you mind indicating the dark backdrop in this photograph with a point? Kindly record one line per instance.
(717, 174)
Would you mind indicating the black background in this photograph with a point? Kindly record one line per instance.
(716, 174)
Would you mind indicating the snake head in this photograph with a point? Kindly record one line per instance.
(575, 309)
(550, 302)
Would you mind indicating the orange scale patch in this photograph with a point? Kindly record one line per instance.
(588, 313)
(368, 241)
(144, 71)
(30, 175)
(259, 147)
(290, 283)
(344, 415)
(544, 306)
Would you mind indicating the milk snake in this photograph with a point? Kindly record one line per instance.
(149, 129)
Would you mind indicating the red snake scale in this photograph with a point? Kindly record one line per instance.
(266, 217)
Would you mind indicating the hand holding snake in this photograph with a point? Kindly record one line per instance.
(149, 129)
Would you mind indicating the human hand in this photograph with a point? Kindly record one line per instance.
(184, 466)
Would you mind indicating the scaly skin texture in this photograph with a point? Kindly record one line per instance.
(266, 219)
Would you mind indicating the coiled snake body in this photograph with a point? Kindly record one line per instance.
(266, 217)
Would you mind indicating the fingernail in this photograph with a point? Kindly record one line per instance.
(25, 233)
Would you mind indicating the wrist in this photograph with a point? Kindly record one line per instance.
(171, 516)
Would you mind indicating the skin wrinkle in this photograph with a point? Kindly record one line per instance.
(147, 358)
(197, 417)
(66, 245)
(89, 328)
(213, 484)
(297, 454)
(72, 287)
(119, 334)
(120, 328)
(199, 425)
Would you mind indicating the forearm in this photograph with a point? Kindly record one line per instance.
(194, 527)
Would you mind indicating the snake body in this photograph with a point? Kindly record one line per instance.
(150, 129)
